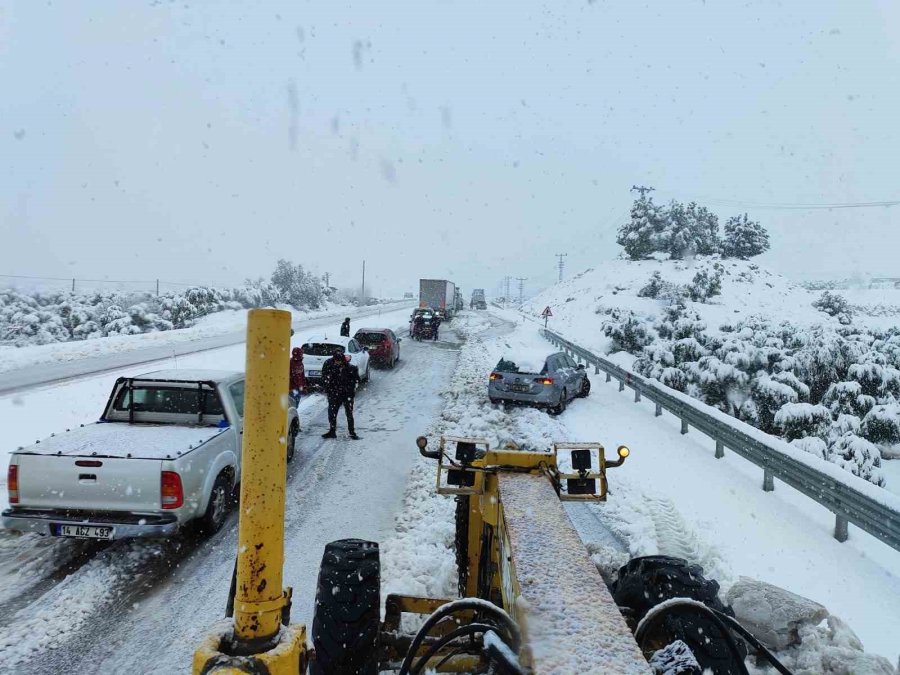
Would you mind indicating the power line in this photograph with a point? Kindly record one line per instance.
(787, 206)
(640, 188)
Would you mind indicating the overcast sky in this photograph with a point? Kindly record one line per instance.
(200, 141)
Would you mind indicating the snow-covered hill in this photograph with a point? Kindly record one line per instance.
(817, 370)
(747, 289)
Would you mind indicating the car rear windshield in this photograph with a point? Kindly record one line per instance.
(320, 349)
(178, 400)
(370, 338)
(507, 366)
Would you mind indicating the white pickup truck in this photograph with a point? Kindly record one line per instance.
(166, 451)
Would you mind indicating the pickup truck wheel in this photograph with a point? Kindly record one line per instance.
(348, 609)
(217, 506)
(292, 439)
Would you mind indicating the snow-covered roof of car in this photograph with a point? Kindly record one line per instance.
(196, 375)
(372, 330)
(338, 340)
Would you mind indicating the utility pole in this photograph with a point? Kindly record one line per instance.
(507, 279)
(327, 280)
(157, 288)
(73, 285)
(561, 264)
(643, 190)
(521, 281)
(364, 282)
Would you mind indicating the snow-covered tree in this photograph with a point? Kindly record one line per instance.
(881, 425)
(653, 287)
(705, 228)
(744, 238)
(859, 457)
(643, 234)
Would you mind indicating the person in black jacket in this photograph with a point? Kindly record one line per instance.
(339, 379)
(345, 328)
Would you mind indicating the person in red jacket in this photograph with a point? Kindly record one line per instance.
(298, 375)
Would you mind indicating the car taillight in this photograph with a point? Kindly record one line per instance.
(544, 380)
(171, 492)
(496, 376)
(12, 483)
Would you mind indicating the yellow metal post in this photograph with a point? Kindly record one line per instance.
(259, 597)
(255, 637)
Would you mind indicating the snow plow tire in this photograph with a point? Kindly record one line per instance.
(462, 542)
(645, 582)
(347, 612)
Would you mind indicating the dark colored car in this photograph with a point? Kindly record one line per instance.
(382, 343)
(549, 385)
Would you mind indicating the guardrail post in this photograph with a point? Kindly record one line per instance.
(637, 396)
(621, 385)
(596, 369)
(658, 409)
(720, 449)
(768, 481)
(684, 426)
(840, 528)
(608, 377)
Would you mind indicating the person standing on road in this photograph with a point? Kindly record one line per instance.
(339, 379)
(298, 375)
(436, 322)
(345, 328)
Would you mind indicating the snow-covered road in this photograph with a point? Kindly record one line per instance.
(141, 606)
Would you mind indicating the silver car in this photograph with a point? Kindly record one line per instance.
(551, 385)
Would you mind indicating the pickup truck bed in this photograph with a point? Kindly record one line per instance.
(118, 439)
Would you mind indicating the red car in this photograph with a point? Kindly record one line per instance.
(382, 344)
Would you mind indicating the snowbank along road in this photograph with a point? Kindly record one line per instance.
(140, 606)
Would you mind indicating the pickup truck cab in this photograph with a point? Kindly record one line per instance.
(166, 451)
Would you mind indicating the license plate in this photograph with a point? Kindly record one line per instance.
(85, 531)
(315, 373)
(519, 387)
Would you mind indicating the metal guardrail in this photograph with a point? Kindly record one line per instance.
(846, 498)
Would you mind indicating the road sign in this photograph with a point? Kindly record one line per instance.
(546, 314)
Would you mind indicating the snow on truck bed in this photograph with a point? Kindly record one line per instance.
(119, 439)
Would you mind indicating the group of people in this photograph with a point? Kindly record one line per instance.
(339, 381)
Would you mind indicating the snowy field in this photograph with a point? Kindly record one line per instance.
(670, 497)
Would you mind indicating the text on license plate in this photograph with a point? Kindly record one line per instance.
(84, 531)
(315, 373)
(519, 387)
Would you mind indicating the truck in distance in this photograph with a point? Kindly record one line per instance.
(440, 295)
(478, 301)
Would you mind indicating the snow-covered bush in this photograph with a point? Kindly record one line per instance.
(858, 456)
(627, 332)
(744, 238)
(881, 425)
(705, 285)
(835, 305)
(770, 396)
(847, 398)
(800, 420)
(297, 286)
(653, 287)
